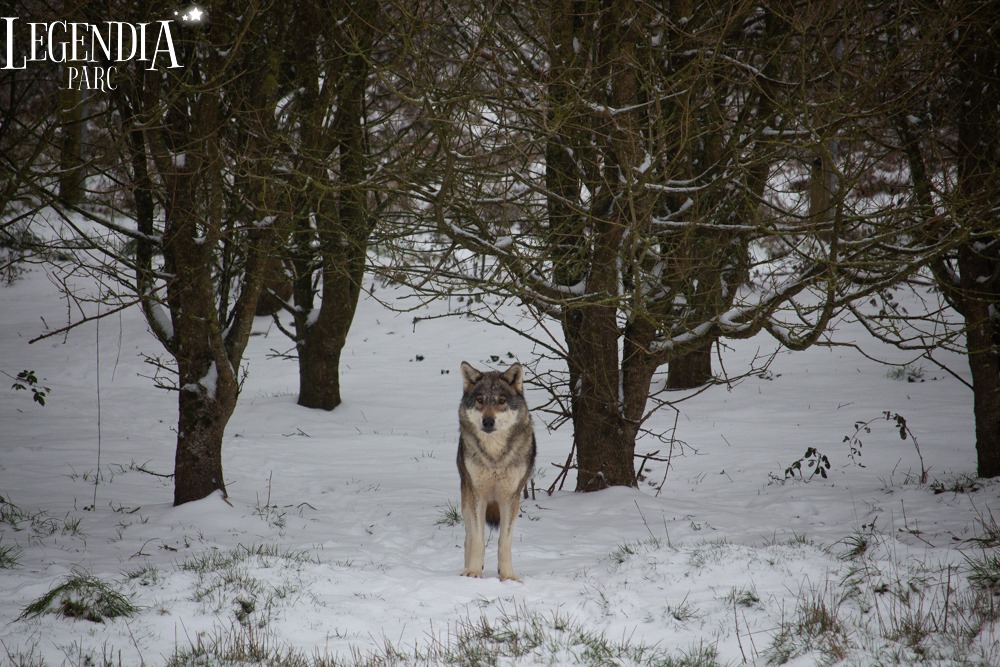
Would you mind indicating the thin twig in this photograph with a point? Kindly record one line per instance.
(561, 477)
(74, 325)
(739, 642)
(642, 465)
(154, 474)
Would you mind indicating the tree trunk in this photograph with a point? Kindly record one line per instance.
(979, 259)
(343, 228)
(605, 448)
(692, 369)
(322, 341)
(276, 288)
(604, 451)
(71, 163)
(319, 366)
(212, 206)
(198, 461)
(982, 336)
(208, 386)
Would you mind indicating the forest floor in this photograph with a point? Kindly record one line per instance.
(339, 542)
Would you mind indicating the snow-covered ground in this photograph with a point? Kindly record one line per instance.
(336, 540)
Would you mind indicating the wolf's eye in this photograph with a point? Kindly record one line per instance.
(502, 401)
(480, 400)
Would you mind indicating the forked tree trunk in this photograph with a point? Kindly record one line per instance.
(223, 128)
(319, 365)
(342, 227)
(588, 246)
(206, 361)
(605, 448)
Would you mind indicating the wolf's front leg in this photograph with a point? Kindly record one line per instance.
(508, 512)
(474, 518)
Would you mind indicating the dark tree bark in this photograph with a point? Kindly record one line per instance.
(335, 217)
(208, 348)
(207, 390)
(276, 289)
(957, 73)
(194, 210)
(604, 450)
(605, 442)
(982, 332)
(692, 369)
(610, 354)
(978, 260)
(71, 162)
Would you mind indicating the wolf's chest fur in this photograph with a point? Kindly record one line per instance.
(497, 449)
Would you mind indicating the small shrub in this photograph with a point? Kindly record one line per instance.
(907, 372)
(84, 596)
(26, 380)
(815, 461)
(744, 597)
(10, 557)
(899, 422)
(450, 515)
(683, 612)
(958, 484)
(984, 571)
(859, 543)
(816, 627)
(990, 537)
(10, 513)
(626, 550)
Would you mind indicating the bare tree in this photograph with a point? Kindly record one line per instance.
(948, 131)
(28, 132)
(619, 169)
(178, 217)
(328, 200)
(198, 149)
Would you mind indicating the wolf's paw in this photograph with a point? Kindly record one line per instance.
(510, 576)
(476, 574)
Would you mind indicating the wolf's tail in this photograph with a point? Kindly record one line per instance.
(493, 515)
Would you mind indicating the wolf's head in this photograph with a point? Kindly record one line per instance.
(493, 401)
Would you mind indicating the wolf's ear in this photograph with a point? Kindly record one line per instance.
(470, 376)
(514, 376)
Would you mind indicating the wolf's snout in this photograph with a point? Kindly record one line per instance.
(489, 424)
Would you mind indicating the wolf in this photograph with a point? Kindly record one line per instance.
(496, 454)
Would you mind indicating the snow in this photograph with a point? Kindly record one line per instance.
(334, 520)
(207, 384)
(162, 321)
